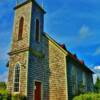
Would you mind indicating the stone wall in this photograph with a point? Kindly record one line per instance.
(58, 78)
(22, 59)
(19, 48)
(25, 12)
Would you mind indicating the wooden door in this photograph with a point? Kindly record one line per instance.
(37, 90)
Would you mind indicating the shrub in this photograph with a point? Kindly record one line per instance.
(4, 95)
(82, 88)
(97, 85)
(2, 85)
(18, 97)
(88, 96)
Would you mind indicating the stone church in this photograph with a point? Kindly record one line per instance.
(39, 67)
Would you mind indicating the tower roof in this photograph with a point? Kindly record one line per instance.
(28, 1)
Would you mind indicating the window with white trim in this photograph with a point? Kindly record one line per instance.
(17, 78)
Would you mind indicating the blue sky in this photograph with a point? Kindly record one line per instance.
(73, 22)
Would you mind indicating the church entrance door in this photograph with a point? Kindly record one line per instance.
(37, 90)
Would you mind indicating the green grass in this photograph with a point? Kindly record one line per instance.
(88, 96)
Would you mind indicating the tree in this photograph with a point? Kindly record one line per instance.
(97, 85)
(2, 85)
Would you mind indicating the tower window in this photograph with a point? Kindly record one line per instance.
(37, 34)
(16, 79)
(21, 23)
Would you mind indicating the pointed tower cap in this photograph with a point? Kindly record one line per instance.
(28, 1)
(40, 7)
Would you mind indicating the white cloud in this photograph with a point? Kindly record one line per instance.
(84, 35)
(95, 77)
(97, 51)
(97, 67)
(84, 31)
(4, 76)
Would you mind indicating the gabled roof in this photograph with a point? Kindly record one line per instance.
(68, 53)
(75, 58)
(53, 41)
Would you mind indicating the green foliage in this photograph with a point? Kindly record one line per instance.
(3, 91)
(97, 85)
(82, 88)
(4, 95)
(35, 53)
(18, 97)
(2, 85)
(88, 96)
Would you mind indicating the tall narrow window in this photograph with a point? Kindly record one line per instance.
(21, 23)
(84, 79)
(74, 80)
(16, 80)
(37, 34)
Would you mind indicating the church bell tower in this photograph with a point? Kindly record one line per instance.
(26, 38)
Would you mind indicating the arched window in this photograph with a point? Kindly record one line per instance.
(37, 34)
(17, 78)
(21, 23)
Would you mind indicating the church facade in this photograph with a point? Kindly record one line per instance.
(39, 67)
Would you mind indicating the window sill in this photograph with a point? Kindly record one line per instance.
(16, 93)
(19, 39)
(37, 41)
